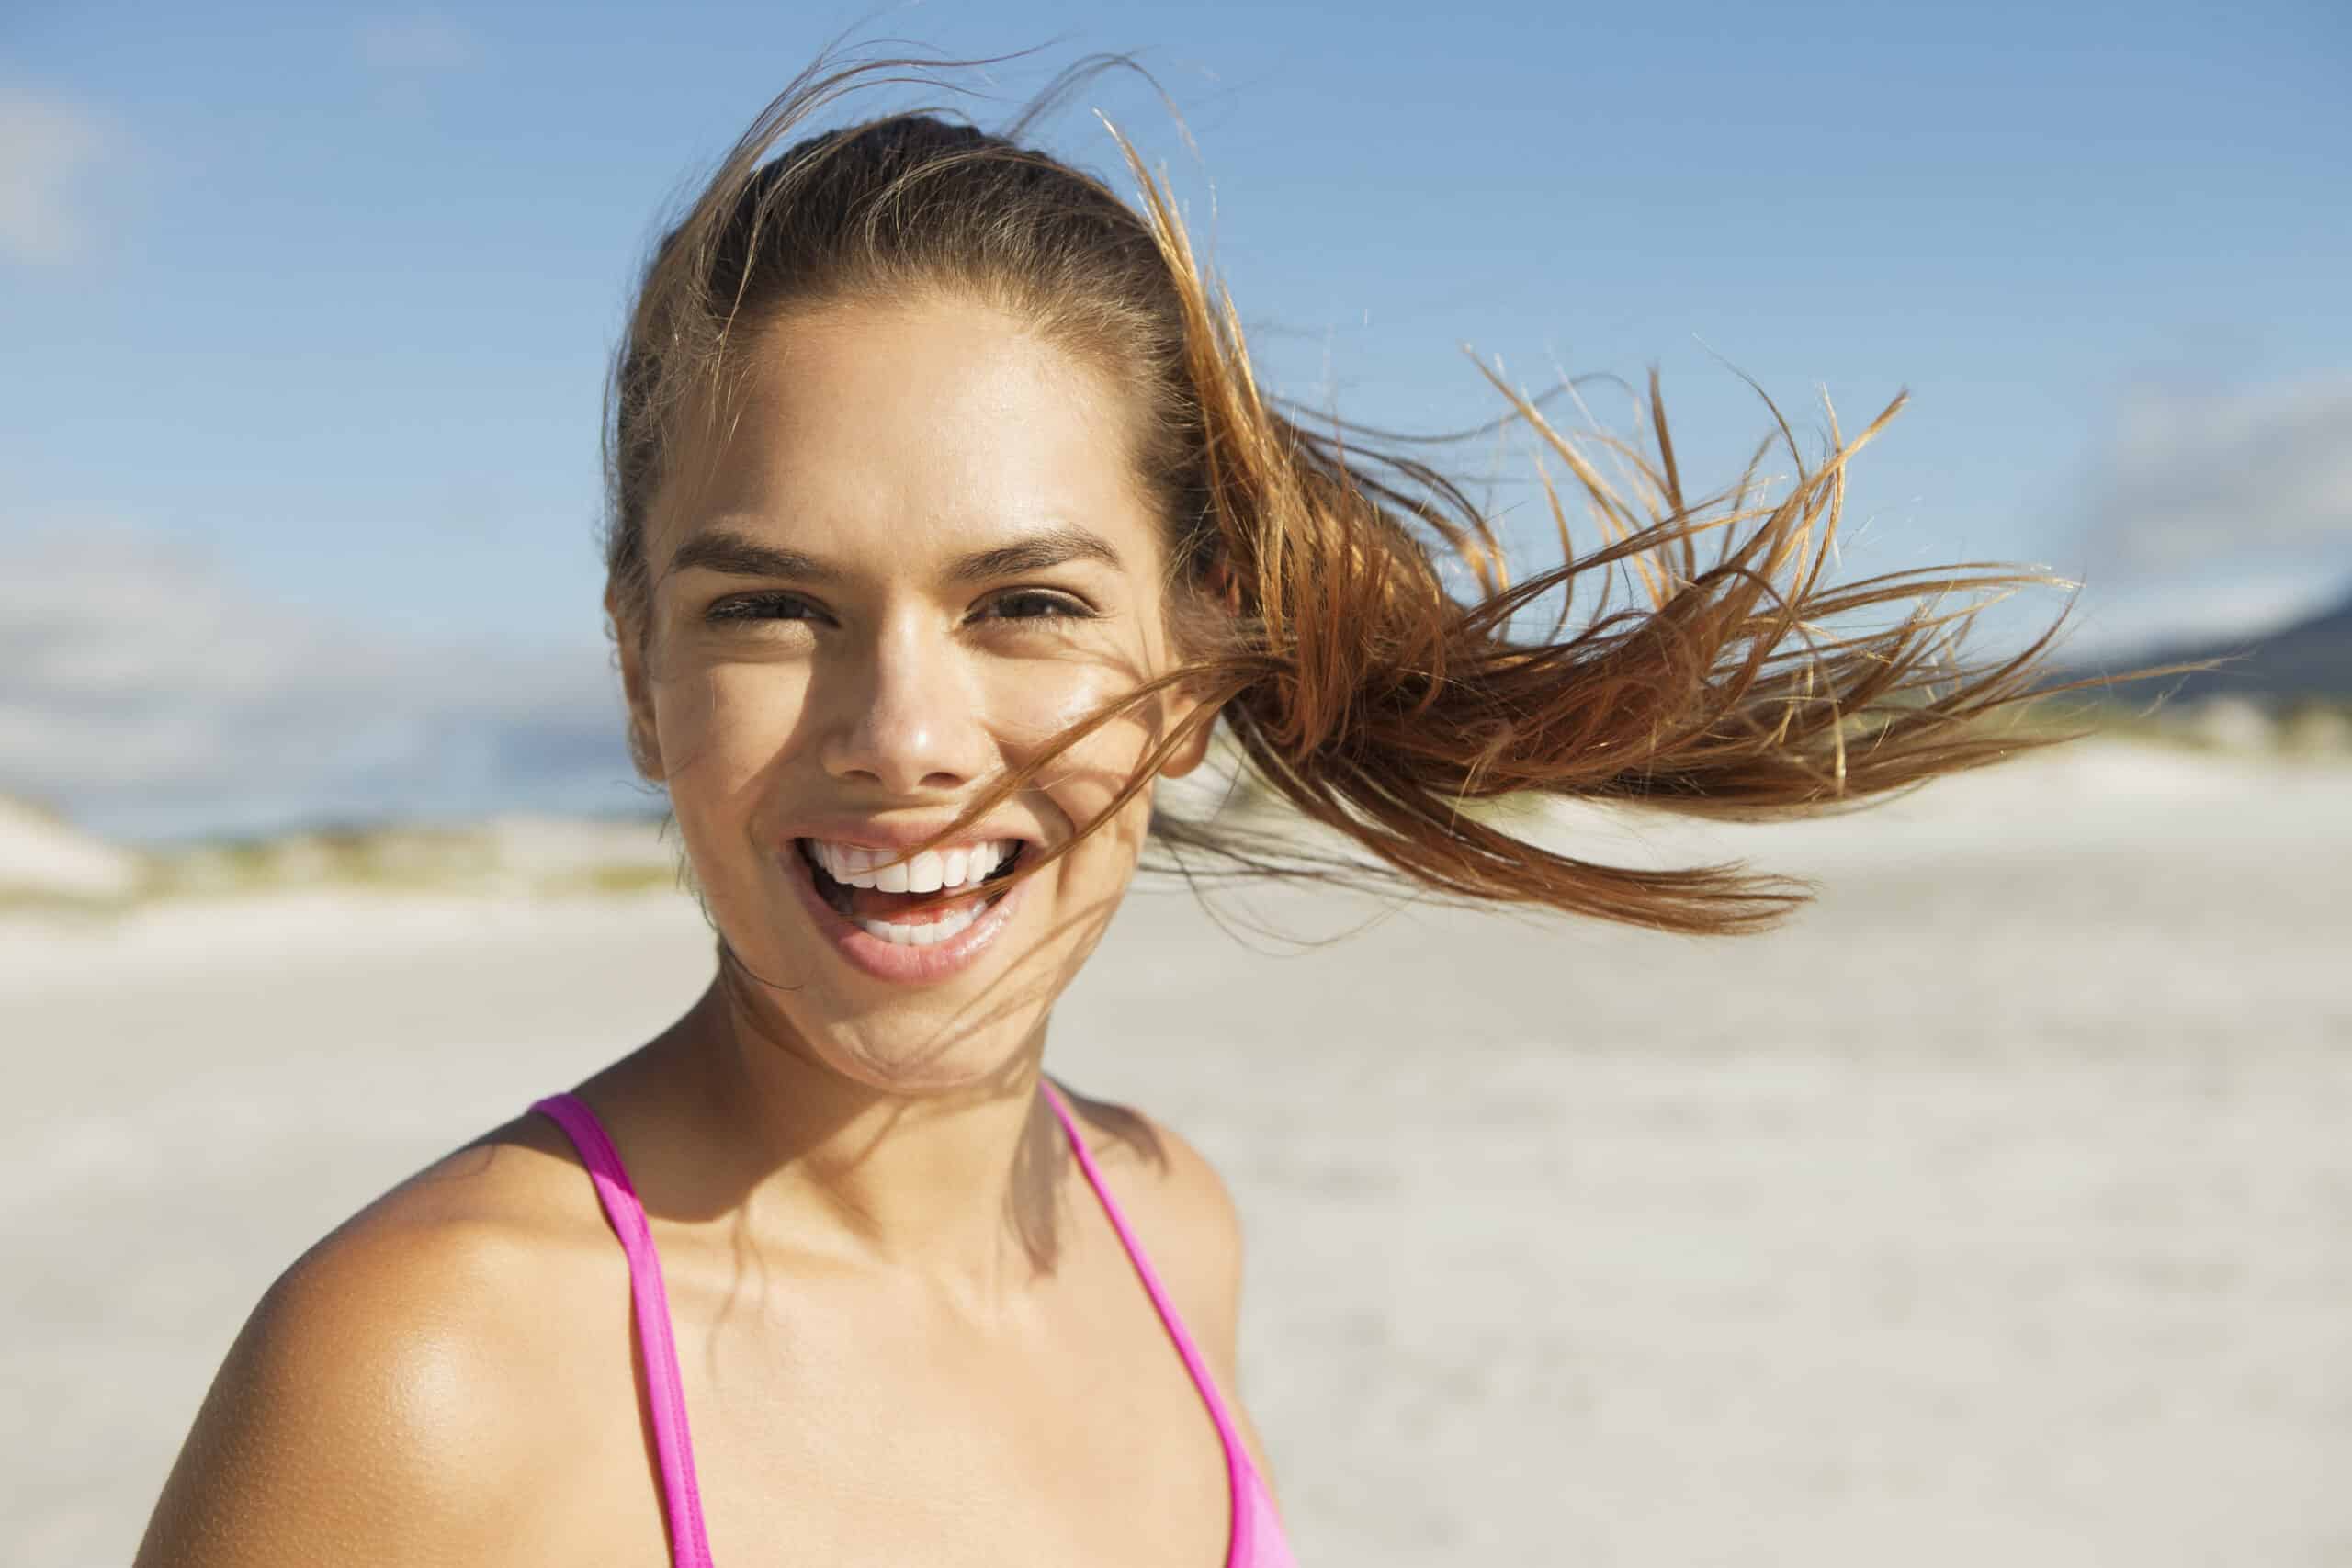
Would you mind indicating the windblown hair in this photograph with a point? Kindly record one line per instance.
(1307, 598)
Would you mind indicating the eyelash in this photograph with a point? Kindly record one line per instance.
(749, 606)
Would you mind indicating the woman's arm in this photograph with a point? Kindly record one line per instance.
(363, 1415)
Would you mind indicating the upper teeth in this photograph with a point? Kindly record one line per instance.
(926, 873)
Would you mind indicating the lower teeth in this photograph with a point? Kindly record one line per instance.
(950, 924)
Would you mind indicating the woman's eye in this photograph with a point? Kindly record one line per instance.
(1031, 605)
(760, 607)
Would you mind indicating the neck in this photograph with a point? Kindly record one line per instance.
(952, 1190)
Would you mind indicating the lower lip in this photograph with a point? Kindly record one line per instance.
(887, 960)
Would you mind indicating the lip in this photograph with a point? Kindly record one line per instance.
(887, 960)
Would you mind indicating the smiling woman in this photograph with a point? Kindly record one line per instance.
(875, 587)
(945, 519)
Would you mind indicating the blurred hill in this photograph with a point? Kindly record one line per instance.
(45, 861)
(2310, 661)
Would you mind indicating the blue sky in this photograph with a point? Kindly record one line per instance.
(305, 311)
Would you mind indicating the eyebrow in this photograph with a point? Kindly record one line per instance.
(736, 554)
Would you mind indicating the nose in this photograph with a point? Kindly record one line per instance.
(908, 719)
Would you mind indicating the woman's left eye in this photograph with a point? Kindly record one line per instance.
(1031, 605)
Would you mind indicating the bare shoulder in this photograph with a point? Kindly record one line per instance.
(1181, 1210)
(1188, 1226)
(390, 1388)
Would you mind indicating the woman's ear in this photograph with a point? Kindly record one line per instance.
(1222, 588)
(644, 742)
(1195, 749)
(1225, 586)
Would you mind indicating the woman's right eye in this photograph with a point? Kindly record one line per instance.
(759, 607)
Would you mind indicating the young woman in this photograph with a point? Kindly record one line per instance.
(947, 518)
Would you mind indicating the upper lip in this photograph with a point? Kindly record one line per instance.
(903, 836)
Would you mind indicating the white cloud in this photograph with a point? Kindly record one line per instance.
(426, 43)
(144, 691)
(2218, 514)
(48, 146)
(2193, 480)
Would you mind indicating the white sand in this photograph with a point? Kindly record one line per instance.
(1999, 1212)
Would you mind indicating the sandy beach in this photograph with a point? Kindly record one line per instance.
(1998, 1210)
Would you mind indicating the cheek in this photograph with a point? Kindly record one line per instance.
(1035, 700)
(722, 727)
(1031, 704)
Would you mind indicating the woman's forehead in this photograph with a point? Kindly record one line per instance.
(944, 428)
(939, 374)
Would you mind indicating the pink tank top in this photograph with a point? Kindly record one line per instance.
(1256, 1538)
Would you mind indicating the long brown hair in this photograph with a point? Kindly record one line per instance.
(1305, 585)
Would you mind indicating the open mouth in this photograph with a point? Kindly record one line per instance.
(862, 905)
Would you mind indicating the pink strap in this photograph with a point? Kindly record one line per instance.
(659, 1351)
(1241, 1475)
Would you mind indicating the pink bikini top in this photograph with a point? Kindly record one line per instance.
(1256, 1539)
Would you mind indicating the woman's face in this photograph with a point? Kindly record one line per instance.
(916, 552)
